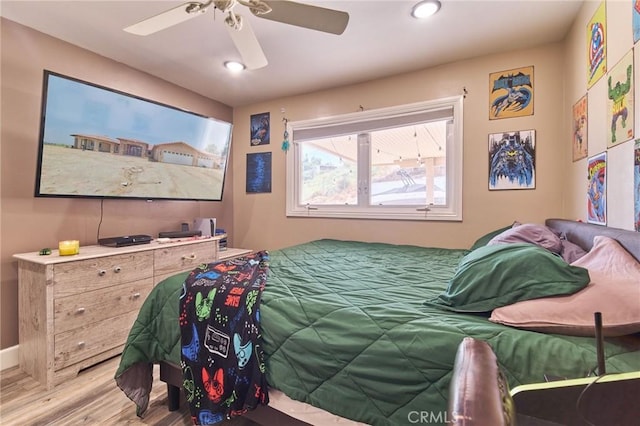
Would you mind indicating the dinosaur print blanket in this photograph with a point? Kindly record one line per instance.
(221, 355)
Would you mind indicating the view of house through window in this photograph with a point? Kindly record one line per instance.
(395, 164)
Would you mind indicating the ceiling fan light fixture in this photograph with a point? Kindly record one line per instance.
(425, 8)
(234, 66)
(257, 7)
(234, 21)
(196, 7)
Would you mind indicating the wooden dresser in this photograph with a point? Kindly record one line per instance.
(75, 311)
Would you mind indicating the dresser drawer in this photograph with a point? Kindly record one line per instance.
(76, 311)
(92, 339)
(169, 260)
(91, 274)
(93, 306)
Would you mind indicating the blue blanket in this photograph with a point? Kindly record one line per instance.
(221, 354)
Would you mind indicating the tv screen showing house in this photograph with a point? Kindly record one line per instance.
(103, 143)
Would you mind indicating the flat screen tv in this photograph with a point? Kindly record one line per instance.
(98, 142)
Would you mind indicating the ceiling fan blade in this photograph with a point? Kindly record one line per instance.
(247, 44)
(307, 16)
(166, 19)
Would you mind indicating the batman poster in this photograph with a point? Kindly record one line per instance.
(511, 93)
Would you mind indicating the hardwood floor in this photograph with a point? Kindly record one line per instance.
(91, 398)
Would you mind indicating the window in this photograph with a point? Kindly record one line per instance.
(401, 162)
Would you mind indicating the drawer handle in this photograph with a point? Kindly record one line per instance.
(80, 311)
(117, 269)
(192, 256)
(81, 345)
(135, 295)
(101, 272)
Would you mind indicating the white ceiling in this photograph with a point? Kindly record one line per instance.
(381, 39)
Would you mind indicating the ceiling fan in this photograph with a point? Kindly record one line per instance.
(288, 12)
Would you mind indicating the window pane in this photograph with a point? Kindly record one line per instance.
(329, 171)
(409, 165)
(387, 163)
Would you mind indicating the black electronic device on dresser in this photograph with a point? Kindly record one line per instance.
(179, 234)
(125, 240)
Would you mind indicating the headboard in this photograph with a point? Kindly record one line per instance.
(582, 234)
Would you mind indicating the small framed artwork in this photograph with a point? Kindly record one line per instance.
(620, 102)
(597, 45)
(511, 93)
(580, 134)
(597, 189)
(512, 160)
(260, 129)
(635, 11)
(259, 172)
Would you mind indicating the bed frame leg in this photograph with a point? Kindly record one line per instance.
(173, 393)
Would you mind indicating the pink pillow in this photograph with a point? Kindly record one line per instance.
(531, 233)
(614, 291)
(608, 256)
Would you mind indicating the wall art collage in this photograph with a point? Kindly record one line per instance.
(512, 154)
(259, 163)
(620, 114)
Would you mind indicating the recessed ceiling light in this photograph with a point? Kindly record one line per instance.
(234, 66)
(425, 8)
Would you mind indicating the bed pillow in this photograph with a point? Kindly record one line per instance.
(499, 275)
(482, 241)
(571, 251)
(614, 291)
(531, 233)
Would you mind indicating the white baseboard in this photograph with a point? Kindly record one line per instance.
(9, 357)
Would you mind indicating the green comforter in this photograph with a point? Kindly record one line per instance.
(345, 329)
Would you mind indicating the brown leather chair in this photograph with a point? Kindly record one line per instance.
(479, 393)
(480, 396)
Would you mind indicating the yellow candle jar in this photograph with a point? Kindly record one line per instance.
(69, 247)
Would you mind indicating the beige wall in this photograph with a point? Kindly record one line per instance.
(619, 158)
(260, 220)
(28, 223)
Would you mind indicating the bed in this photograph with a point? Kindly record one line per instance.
(369, 331)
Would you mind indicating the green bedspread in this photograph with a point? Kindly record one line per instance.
(345, 329)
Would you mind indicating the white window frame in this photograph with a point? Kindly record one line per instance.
(451, 211)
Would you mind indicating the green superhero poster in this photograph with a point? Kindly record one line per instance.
(620, 101)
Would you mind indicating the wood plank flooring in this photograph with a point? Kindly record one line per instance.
(91, 398)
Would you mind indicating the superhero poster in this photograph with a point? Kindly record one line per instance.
(636, 185)
(260, 133)
(597, 189)
(512, 160)
(579, 135)
(620, 101)
(511, 93)
(597, 45)
(635, 10)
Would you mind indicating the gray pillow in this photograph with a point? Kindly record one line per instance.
(482, 241)
(531, 233)
(571, 251)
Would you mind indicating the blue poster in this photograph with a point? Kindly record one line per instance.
(597, 189)
(259, 172)
(635, 6)
(260, 132)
